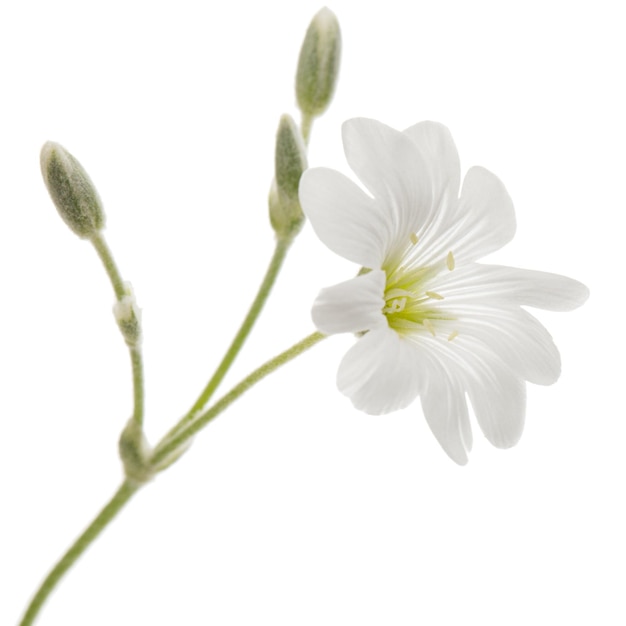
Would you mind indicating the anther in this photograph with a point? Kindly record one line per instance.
(414, 239)
(453, 335)
(429, 326)
(434, 295)
(450, 261)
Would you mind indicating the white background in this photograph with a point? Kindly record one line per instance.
(293, 508)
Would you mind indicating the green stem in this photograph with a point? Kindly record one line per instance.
(166, 448)
(280, 252)
(138, 384)
(104, 252)
(104, 518)
(178, 438)
(106, 257)
(306, 124)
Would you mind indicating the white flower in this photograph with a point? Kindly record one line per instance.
(431, 321)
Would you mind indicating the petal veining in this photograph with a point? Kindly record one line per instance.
(352, 306)
(432, 321)
(514, 286)
(544, 290)
(518, 339)
(435, 142)
(381, 372)
(445, 409)
(343, 216)
(390, 165)
(497, 395)
(486, 215)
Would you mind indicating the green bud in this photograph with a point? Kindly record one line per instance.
(71, 190)
(290, 161)
(318, 65)
(128, 317)
(135, 453)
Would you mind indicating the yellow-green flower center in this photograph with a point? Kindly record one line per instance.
(409, 305)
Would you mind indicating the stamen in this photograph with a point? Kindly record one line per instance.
(396, 306)
(414, 239)
(450, 261)
(404, 324)
(434, 295)
(392, 294)
(429, 326)
(453, 335)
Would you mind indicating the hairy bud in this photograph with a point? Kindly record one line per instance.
(71, 190)
(290, 161)
(318, 65)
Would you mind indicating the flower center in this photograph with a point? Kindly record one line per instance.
(410, 306)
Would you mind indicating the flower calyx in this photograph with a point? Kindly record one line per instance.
(71, 190)
(290, 161)
(318, 64)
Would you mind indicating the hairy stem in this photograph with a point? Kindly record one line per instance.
(108, 261)
(306, 124)
(166, 449)
(178, 438)
(120, 290)
(280, 252)
(103, 519)
(138, 384)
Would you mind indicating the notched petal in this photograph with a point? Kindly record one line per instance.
(352, 306)
(381, 373)
(391, 166)
(486, 213)
(343, 216)
(437, 146)
(498, 398)
(445, 409)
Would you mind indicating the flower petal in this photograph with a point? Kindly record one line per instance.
(381, 372)
(435, 142)
(487, 217)
(513, 334)
(498, 283)
(352, 306)
(445, 409)
(544, 290)
(391, 166)
(344, 217)
(497, 395)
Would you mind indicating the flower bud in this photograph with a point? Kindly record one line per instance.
(286, 214)
(318, 65)
(128, 317)
(71, 190)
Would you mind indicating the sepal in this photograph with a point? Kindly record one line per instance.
(318, 65)
(71, 190)
(290, 162)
